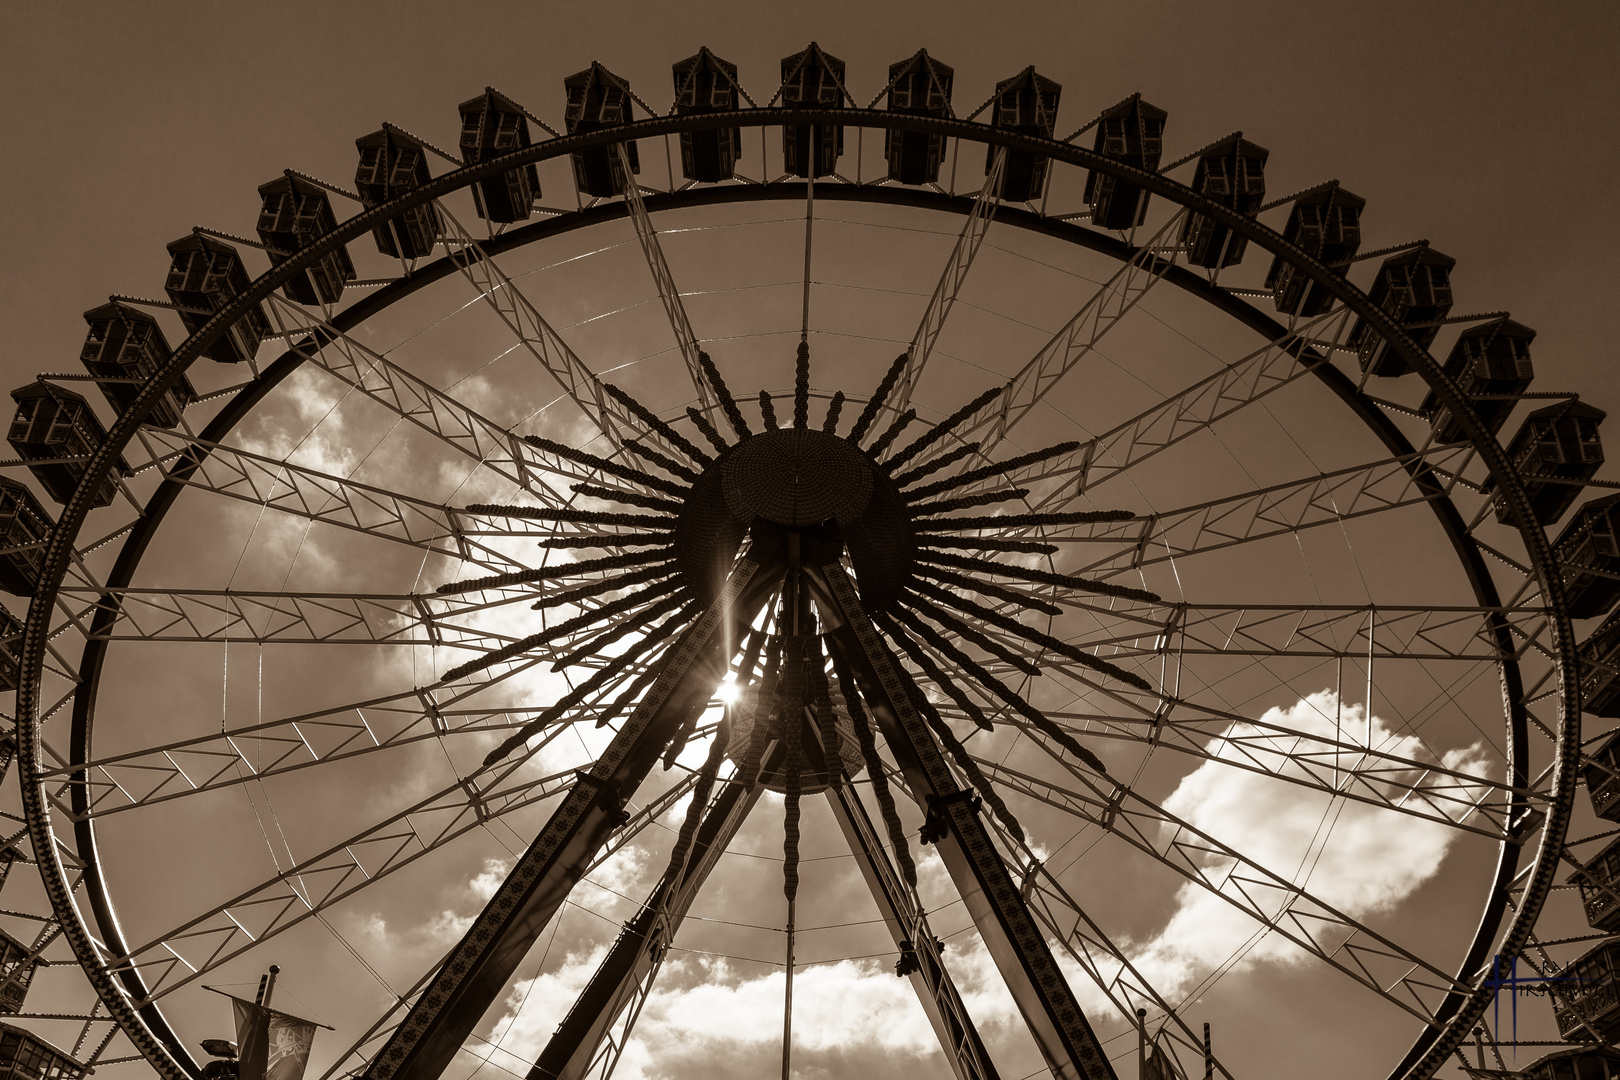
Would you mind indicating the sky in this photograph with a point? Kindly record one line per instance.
(1475, 126)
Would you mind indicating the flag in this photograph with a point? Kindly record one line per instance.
(270, 1045)
(1157, 1066)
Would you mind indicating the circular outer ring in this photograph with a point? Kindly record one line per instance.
(144, 1024)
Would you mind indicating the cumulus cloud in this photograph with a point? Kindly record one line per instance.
(1338, 851)
(707, 1009)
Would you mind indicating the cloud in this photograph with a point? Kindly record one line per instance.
(713, 1017)
(705, 1011)
(1337, 851)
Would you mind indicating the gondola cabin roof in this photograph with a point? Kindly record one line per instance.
(595, 75)
(1503, 327)
(42, 389)
(388, 137)
(703, 82)
(940, 77)
(704, 60)
(805, 78)
(199, 242)
(1133, 105)
(1232, 146)
(282, 185)
(1331, 193)
(114, 310)
(1421, 256)
(1574, 408)
(490, 98)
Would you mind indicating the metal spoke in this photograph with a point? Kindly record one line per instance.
(1322, 631)
(431, 409)
(537, 337)
(1101, 312)
(257, 752)
(1090, 947)
(951, 279)
(1333, 765)
(265, 617)
(1393, 972)
(332, 500)
(306, 890)
(674, 308)
(309, 887)
(1195, 409)
(383, 1028)
(1320, 499)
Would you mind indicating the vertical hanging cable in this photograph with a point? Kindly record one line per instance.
(809, 232)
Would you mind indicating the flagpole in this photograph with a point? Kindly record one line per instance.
(1141, 1044)
(270, 987)
(1209, 1058)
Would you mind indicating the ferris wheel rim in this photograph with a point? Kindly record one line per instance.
(1536, 545)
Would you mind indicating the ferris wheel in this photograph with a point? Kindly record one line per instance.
(1038, 537)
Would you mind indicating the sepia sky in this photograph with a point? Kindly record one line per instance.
(1482, 127)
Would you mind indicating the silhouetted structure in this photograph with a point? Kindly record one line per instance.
(1599, 882)
(205, 275)
(26, 1056)
(1600, 768)
(1490, 359)
(127, 343)
(599, 99)
(1600, 670)
(11, 631)
(1131, 133)
(24, 528)
(812, 79)
(493, 124)
(1025, 104)
(392, 164)
(52, 424)
(1232, 173)
(1414, 289)
(1553, 447)
(704, 83)
(1326, 225)
(1585, 1002)
(297, 213)
(1587, 548)
(920, 86)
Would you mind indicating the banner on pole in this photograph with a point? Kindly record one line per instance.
(270, 1045)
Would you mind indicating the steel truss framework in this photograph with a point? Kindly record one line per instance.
(75, 602)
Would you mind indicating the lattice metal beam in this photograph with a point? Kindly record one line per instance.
(1049, 1008)
(974, 229)
(1388, 969)
(1101, 312)
(1320, 499)
(332, 500)
(451, 421)
(1179, 417)
(543, 343)
(179, 956)
(668, 292)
